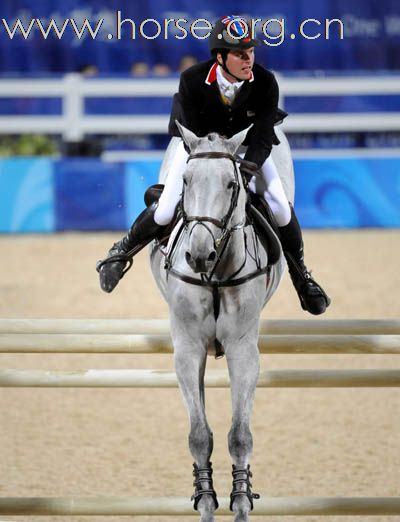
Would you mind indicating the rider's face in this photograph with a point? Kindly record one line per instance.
(239, 63)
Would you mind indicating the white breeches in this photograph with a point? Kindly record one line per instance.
(270, 187)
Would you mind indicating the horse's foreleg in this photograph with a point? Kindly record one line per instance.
(190, 362)
(243, 364)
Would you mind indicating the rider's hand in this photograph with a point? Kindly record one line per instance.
(249, 169)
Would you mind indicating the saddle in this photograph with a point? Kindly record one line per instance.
(261, 217)
(258, 214)
(152, 195)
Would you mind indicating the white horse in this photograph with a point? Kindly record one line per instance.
(216, 278)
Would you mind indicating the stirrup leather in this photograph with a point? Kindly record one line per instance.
(237, 482)
(199, 491)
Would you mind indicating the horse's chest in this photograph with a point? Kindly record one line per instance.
(240, 302)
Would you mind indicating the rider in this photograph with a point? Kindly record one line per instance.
(226, 95)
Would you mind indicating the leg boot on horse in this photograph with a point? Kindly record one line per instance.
(113, 267)
(243, 364)
(190, 357)
(312, 297)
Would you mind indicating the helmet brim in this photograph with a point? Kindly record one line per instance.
(239, 45)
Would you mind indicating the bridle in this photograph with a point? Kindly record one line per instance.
(223, 224)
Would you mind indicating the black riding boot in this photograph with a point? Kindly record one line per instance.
(312, 297)
(112, 268)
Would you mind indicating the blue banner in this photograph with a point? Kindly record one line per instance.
(348, 193)
(39, 36)
(89, 195)
(27, 195)
(41, 195)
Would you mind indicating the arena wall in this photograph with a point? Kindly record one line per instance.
(85, 194)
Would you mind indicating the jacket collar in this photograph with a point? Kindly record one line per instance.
(212, 75)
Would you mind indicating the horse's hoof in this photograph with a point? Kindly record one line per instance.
(241, 516)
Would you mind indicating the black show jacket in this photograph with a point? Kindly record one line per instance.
(199, 107)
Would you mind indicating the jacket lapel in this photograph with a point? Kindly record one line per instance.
(213, 94)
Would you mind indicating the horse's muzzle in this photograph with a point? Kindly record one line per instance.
(201, 264)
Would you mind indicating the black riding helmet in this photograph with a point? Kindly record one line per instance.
(237, 39)
(230, 33)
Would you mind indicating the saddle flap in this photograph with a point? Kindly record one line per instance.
(267, 235)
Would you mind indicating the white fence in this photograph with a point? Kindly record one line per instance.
(73, 124)
(74, 336)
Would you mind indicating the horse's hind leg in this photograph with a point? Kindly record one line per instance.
(190, 361)
(243, 364)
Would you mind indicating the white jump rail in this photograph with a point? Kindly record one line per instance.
(177, 506)
(161, 326)
(55, 336)
(146, 344)
(11, 378)
(73, 89)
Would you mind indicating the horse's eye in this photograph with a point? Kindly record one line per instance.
(184, 181)
(231, 184)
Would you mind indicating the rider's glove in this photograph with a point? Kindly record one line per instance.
(249, 169)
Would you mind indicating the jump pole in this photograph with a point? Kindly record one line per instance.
(161, 326)
(146, 344)
(177, 506)
(10, 378)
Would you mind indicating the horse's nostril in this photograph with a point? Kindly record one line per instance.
(188, 257)
(212, 256)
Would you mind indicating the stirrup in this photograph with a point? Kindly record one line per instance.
(124, 257)
(312, 296)
(238, 481)
(199, 491)
(303, 276)
(114, 258)
(307, 279)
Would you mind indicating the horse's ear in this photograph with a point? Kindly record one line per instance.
(236, 140)
(188, 136)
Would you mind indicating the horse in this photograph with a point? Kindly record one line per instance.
(216, 278)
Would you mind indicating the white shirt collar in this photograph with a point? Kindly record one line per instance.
(228, 89)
